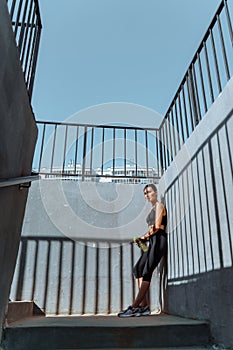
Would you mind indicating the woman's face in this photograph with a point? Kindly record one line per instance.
(150, 195)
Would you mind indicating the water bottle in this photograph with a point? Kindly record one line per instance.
(141, 244)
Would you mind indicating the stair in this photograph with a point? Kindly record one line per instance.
(105, 332)
(18, 310)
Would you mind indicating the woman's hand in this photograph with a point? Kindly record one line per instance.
(144, 238)
(138, 240)
(152, 229)
(151, 232)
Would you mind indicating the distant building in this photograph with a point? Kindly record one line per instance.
(128, 174)
(69, 172)
(119, 174)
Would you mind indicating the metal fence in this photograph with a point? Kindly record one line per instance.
(199, 202)
(208, 72)
(97, 153)
(136, 154)
(26, 23)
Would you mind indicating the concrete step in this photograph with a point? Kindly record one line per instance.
(105, 332)
(21, 309)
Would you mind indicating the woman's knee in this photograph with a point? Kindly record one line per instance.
(147, 277)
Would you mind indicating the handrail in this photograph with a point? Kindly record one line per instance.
(106, 126)
(26, 25)
(205, 78)
(198, 51)
(22, 181)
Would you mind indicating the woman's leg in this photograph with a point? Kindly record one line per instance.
(139, 282)
(145, 300)
(141, 298)
(157, 251)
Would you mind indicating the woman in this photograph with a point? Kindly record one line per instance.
(149, 260)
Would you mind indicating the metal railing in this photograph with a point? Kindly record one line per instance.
(207, 74)
(22, 181)
(26, 23)
(97, 152)
(198, 203)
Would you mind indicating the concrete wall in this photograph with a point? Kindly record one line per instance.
(76, 256)
(198, 192)
(18, 134)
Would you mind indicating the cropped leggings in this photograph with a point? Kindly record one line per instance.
(149, 260)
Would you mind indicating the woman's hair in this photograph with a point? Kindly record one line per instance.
(152, 186)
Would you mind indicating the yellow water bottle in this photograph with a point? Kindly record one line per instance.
(141, 244)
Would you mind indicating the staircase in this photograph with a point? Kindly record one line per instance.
(106, 332)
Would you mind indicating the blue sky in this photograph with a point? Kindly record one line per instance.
(96, 52)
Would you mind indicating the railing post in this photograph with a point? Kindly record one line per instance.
(27, 33)
(84, 153)
(193, 98)
(229, 21)
(34, 61)
(161, 151)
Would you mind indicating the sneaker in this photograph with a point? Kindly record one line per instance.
(129, 312)
(143, 311)
(157, 311)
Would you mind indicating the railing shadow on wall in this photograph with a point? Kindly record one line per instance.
(77, 277)
(26, 24)
(199, 204)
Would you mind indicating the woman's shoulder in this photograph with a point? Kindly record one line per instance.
(159, 205)
(160, 209)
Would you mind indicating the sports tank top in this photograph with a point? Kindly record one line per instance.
(150, 219)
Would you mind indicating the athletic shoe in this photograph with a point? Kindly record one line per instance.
(143, 311)
(158, 311)
(129, 312)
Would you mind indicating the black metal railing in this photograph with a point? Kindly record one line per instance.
(198, 203)
(207, 74)
(97, 152)
(26, 23)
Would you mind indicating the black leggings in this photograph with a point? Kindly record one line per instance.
(149, 260)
